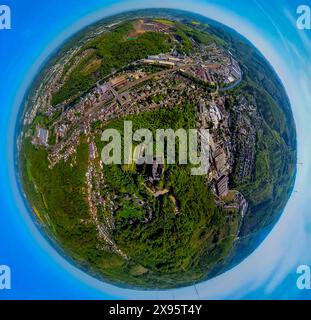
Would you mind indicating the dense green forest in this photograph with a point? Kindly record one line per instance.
(171, 243)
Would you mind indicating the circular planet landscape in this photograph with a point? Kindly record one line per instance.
(154, 225)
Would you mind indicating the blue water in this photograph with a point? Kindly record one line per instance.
(38, 271)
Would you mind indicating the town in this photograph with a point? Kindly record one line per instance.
(155, 82)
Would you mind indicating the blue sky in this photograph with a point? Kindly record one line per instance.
(37, 270)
